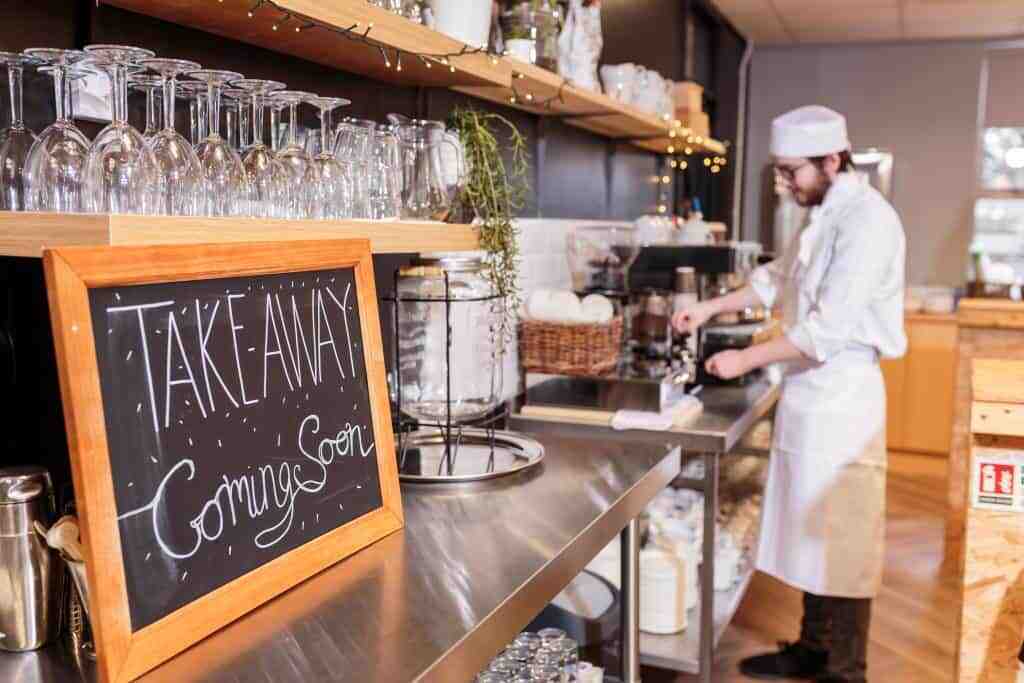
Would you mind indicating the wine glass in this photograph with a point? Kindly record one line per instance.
(330, 182)
(276, 107)
(121, 170)
(195, 93)
(264, 174)
(241, 109)
(15, 140)
(55, 166)
(180, 175)
(231, 106)
(293, 157)
(223, 178)
(152, 87)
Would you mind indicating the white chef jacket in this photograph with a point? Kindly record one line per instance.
(840, 285)
(851, 295)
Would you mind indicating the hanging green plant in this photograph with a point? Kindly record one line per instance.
(493, 192)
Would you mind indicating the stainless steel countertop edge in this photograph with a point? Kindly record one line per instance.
(690, 440)
(469, 655)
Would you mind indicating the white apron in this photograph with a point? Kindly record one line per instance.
(823, 524)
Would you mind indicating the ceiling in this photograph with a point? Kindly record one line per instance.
(789, 22)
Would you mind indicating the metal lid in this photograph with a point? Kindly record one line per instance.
(22, 484)
(454, 263)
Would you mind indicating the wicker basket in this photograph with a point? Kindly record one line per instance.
(569, 349)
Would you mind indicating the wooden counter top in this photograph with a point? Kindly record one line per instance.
(994, 313)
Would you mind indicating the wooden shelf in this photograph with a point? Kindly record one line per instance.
(479, 75)
(27, 234)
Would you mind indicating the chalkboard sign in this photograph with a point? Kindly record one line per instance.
(229, 429)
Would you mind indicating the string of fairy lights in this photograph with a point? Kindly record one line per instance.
(683, 142)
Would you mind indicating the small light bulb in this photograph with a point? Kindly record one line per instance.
(671, 149)
(512, 100)
(674, 163)
(529, 97)
(716, 169)
(665, 179)
(494, 61)
(520, 76)
(683, 165)
(688, 151)
(298, 29)
(250, 14)
(707, 162)
(274, 27)
(368, 26)
(662, 208)
(451, 68)
(671, 133)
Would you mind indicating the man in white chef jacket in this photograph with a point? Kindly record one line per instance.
(840, 288)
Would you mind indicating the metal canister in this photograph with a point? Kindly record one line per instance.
(29, 569)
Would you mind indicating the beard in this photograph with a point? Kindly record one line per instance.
(814, 194)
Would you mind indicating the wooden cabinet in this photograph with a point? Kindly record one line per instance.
(919, 386)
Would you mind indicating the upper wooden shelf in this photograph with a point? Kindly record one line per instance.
(479, 75)
(27, 234)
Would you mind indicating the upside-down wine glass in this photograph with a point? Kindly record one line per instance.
(121, 171)
(242, 110)
(55, 167)
(195, 93)
(264, 175)
(180, 175)
(15, 140)
(331, 183)
(223, 186)
(293, 157)
(151, 87)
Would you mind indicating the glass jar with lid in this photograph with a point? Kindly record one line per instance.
(448, 333)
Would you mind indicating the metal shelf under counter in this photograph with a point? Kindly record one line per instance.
(728, 419)
(435, 602)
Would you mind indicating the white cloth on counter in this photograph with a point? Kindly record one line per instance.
(639, 419)
(680, 412)
(841, 280)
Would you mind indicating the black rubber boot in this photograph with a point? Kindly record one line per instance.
(793, 660)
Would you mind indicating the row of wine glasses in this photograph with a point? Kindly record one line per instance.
(159, 171)
(359, 169)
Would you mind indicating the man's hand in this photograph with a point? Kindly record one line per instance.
(688, 320)
(728, 364)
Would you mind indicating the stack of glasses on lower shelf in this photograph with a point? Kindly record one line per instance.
(359, 169)
(548, 656)
(671, 558)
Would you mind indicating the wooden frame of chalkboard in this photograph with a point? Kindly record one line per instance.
(132, 639)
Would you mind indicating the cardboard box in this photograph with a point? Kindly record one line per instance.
(688, 96)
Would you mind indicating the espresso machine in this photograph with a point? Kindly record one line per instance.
(718, 269)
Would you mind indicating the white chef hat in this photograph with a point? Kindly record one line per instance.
(811, 131)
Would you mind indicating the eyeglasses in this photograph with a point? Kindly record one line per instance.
(788, 173)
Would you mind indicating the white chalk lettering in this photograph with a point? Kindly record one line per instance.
(206, 361)
(145, 350)
(234, 339)
(172, 333)
(268, 324)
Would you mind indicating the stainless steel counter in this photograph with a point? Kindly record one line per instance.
(436, 601)
(729, 412)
